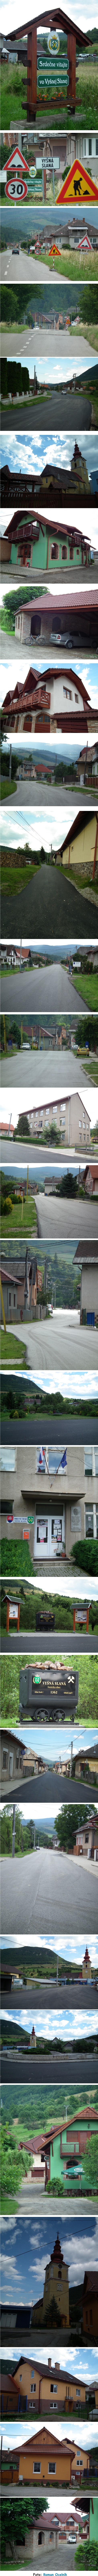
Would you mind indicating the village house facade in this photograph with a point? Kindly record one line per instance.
(48, 620)
(59, 2158)
(36, 544)
(44, 2458)
(57, 701)
(53, 1520)
(86, 1845)
(68, 1117)
(41, 2388)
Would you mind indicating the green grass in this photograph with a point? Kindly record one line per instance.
(12, 1222)
(11, 1350)
(7, 788)
(14, 100)
(14, 879)
(87, 986)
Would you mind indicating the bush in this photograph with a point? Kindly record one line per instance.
(85, 1554)
(3, 379)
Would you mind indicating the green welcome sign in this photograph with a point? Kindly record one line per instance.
(52, 66)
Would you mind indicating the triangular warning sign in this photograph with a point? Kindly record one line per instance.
(77, 185)
(15, 159)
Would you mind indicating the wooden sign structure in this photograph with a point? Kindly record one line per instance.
(77, 185)
(13, 1612)
(51, 59)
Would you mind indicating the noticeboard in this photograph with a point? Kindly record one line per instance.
(52, 67)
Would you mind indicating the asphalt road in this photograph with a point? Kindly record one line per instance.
(59, 1344)
(66, 1219)
(40, 791)
(40, 348)
(59, 413)
(49, 1994)
(87, 1644)
(48, 1892)
(41, 988)
(74, 2068)
(67, 904)
(38, 1072)
(52, 1786)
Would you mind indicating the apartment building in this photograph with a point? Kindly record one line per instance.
(71, 1509)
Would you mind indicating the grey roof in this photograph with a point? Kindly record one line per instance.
(86, 1251)
(13, 1267)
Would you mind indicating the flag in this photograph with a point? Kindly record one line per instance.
(62, 1463)
(42, 1454)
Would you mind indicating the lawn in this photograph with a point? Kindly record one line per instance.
(87, 1709)
(13, 111)
(87, 986)
(13, 878)
(11, 1350)
(12, 1222)
(7, 788)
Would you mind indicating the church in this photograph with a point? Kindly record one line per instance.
(55, 484)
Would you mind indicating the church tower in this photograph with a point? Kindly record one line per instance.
(56, 2287)
(79, 471)
(86, 1969)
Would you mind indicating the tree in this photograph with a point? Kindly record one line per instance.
(66, 1825)
(85, 2556)
(23, 1128)
(3, 379)
(10, 2522)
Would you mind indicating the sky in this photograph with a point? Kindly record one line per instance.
(42, 1815)
(59, 369)
(65, 1381)
(75, 517)
(84, 18)
(65, 2026)
(13, 2440)
(60, 948)
(83, 2368)
(35, 1098)
(87, 671)
(19, 451)
(21, 827)
(69, 1948)
(56, 1744)
(26, 2247)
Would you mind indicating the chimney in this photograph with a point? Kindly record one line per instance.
(49, 2360)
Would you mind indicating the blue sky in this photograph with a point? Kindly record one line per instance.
(81, 2367)
(50, 2025)
(58, 1743)
(13, 2438)
(60, 947)
(70, 1948)
(20, 451)
(26, 2247)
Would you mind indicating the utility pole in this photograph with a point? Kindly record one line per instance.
(13, 1832)
(71, 1760)
(57, 1972)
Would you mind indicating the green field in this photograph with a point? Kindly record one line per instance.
(6, 789)
(86, 115)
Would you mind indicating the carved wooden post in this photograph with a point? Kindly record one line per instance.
(32, 72)
(71, 52)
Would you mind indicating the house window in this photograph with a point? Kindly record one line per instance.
(9, 1296)
(67, 693)
(89, 1523)
(7, 1460)
(14, 1298)
(33, 2383)
(88, 1461)
(36, 2466)
(52, 2468)
(5, 1760)
(10, 1766)
(63, 554)
(54, 554)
